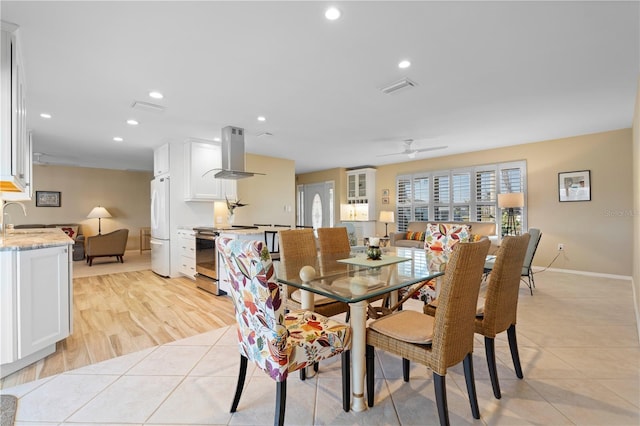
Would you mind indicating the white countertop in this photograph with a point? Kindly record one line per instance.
(35, 238)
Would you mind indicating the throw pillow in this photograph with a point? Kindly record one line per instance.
(416, 236)
(71, 231)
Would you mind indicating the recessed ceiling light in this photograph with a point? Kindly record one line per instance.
(156, 95)
(118, 139)
(262, 118)
(45, 115)
(332, 14)
(404, 64)
(132, 122)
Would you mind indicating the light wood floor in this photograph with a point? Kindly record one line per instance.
(121, 313)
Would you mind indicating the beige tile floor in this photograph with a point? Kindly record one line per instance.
(578, 343)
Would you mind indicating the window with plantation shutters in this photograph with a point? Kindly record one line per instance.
(459, 195)
(486, 194)
(403, 202)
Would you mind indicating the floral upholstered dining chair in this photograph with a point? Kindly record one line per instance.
(277, 342)
(439, 242)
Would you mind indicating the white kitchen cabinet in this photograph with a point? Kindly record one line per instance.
(36, 302)
(15, 156)
(161, 160)
(187, 244)
(361, 190)
(200, 157)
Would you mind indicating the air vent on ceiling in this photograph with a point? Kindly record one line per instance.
(147, 106)
(399, 85)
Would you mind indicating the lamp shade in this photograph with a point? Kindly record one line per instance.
(99, 213)
(386, 217)
(510, 200)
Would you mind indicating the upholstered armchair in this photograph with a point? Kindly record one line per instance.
(106, 245)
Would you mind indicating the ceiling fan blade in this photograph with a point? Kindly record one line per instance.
(395, 153)
(434, 148)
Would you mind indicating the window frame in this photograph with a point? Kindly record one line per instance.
(406, 205)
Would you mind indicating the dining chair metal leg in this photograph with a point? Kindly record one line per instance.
(241, 376)
(405, 369)
(513, 346)
(440, 386)
(346, 380)
(490, 351)
(370, 359)
(281, 402)
(471, 385)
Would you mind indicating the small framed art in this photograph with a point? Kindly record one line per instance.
(574, 186)
(47, 198)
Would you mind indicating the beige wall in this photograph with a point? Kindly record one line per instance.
(271, 198)
(597, 235)
(125, 194)
(636, 204)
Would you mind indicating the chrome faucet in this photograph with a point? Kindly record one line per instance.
(3, 205)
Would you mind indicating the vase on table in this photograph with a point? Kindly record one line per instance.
(230, 218)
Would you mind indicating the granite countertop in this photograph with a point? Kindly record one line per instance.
(35, 238)
(242, 231)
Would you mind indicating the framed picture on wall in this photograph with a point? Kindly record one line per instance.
(574, 186)
(47, 199)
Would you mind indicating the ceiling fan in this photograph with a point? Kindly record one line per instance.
(50, 159)
(411, 153)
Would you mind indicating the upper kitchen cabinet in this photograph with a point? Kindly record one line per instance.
(200, 157)
(161, 160)
(361, 188)
(15, 158)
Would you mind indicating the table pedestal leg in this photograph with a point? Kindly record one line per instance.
(307, 302)
(358, 345)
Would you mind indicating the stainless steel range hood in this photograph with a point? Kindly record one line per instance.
(233, 155)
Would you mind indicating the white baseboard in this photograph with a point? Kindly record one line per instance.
(591, 274)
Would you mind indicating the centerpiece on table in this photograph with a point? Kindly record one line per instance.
(231, 206)
(373, 251)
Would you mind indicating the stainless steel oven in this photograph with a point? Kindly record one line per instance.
(206, 256)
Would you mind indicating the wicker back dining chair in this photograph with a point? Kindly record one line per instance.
(276, 342)
(334, 242)
(499, 310)
(298, 249)
(438, 342)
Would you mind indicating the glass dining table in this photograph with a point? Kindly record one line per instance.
(354, 280)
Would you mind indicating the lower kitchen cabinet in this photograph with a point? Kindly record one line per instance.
(187, 242)
(36, 296)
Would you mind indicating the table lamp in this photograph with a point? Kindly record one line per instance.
(386, 217)
(99, 212)
(510, 201)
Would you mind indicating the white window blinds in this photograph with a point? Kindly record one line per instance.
(459, 195)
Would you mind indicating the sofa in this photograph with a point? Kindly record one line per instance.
(73, 230)
(414, 235)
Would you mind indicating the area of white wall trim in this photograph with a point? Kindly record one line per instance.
(537, 269)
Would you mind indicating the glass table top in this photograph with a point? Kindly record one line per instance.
(353, 279)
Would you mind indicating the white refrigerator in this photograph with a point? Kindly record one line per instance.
(160, 229)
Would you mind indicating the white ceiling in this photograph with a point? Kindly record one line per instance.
(489, 74)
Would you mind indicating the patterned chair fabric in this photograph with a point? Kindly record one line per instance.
(276, 342)
(439, 242)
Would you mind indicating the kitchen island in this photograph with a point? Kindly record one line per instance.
(36, 294)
